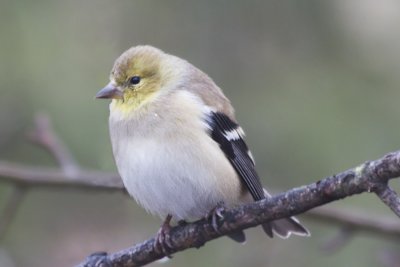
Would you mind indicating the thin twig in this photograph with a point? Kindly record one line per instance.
(381, 170)
(44, 135)
(390, 198)
(10, 208)
(50, 177)
(358, 221)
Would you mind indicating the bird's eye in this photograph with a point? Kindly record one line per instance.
(134, 80)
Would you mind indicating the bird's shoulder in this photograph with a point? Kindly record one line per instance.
(200, 84)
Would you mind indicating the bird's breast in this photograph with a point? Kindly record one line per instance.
(169, 171)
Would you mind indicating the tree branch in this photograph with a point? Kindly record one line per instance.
(29, 176)
(368, 177)
(24, 175)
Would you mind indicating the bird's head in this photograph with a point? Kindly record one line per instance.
(137, 76)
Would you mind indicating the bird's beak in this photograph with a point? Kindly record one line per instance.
(110, 91)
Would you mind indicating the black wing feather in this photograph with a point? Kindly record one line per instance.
(236, 151)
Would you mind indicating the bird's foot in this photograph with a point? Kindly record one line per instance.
(163, 240)
(216, 215)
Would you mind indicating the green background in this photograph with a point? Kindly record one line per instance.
(315, 84)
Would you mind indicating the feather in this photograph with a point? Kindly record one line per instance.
(229, 136)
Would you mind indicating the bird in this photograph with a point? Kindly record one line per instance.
(177, 145)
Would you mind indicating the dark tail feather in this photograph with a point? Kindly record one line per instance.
(238, 236)
(285, 227)
(268, 229)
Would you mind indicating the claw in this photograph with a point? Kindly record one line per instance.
(163, 241)
(215, 215)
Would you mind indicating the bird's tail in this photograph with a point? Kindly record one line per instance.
(284, 227)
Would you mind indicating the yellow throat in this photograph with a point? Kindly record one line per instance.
(132, 101)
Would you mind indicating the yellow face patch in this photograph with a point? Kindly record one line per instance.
(132, 101)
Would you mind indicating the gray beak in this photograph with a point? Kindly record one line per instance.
(110, 91)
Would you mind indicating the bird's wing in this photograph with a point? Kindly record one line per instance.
(229, 136)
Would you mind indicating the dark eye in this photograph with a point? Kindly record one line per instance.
(134, 80)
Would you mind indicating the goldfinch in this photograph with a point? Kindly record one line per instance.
(176, 143)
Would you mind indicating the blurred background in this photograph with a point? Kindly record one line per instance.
(315, 85)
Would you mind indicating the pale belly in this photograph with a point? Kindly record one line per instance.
(184, 181)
